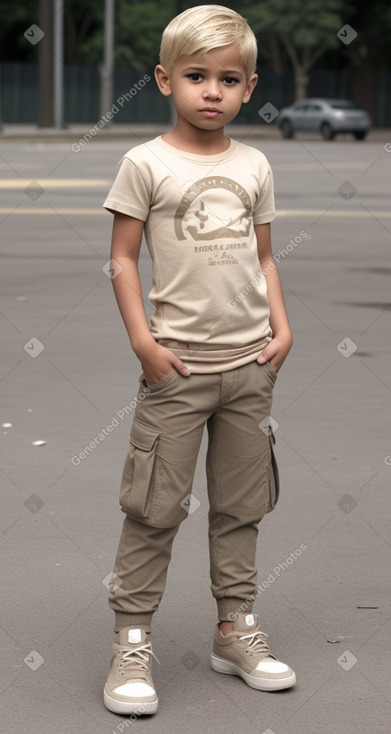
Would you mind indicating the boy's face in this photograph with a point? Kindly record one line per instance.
(208, 88)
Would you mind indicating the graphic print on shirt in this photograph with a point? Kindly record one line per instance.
(201, 220)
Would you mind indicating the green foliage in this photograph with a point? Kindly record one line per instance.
(306, 22)
(287, 30)
(83, 22)
(16, 18)
(138, 31)
(372, 48)
(296, 30)
(301, 24)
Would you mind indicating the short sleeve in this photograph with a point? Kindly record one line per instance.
(129, 193)
(264, 209)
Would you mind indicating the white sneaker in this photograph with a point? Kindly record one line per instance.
(129, 687)
(244, 652)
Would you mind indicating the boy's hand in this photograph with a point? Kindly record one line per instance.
(276, 351)
(159, 362)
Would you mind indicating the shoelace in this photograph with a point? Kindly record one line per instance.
(257, 642)
(138, 657)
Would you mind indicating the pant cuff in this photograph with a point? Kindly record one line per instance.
(131, 620)
(229, 608)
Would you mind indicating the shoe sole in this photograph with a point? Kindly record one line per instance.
(224, 666)
(139, 708)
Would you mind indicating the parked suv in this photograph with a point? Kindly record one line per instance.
(326, 116)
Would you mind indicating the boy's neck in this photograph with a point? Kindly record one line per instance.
(194, 140)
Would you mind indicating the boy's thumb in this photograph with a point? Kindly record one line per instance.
(262, 357)
(178, 364)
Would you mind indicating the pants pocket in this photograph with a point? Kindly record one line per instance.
(271, 372)
(274, 480)
(136, 485)
(154, 486)
(161, 384)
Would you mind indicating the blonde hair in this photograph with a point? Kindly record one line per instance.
(203, 28)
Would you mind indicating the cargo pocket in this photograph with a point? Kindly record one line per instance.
(274, 480)
(136, 491)
(271, 372)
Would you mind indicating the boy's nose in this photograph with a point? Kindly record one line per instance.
(212, 91)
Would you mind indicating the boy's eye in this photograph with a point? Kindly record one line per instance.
(230, 81)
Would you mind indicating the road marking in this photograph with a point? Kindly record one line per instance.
(59, 210)
(310, 166)
(56, 183)
(302, 166)
(26, 164)
(345, 213)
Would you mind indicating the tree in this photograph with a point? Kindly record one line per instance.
(138, 29)
(370, 53)
(16, 18)
(305, 29)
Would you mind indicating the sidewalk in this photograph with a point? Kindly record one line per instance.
(149, 130)
(68, 376)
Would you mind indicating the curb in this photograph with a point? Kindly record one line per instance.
(120, 132)
(263, 131)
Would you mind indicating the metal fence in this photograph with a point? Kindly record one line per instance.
(138, 100)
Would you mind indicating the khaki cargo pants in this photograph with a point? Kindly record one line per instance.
(242, 484)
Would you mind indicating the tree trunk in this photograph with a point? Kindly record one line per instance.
(45, 51)
(301, 78)
(301, 84)
(366, 90)
(278, 66)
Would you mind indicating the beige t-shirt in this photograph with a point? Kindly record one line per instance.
(209, 293)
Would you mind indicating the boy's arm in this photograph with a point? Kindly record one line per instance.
(278, 348)
(157, 361)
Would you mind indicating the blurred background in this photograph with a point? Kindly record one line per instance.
(94, 50)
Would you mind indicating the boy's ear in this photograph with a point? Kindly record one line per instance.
(250, 86)
(163, 80)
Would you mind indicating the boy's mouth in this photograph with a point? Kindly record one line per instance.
(210, 111)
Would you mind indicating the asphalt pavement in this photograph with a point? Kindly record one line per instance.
(67, 371)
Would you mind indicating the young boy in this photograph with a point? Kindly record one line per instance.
(211, 353)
